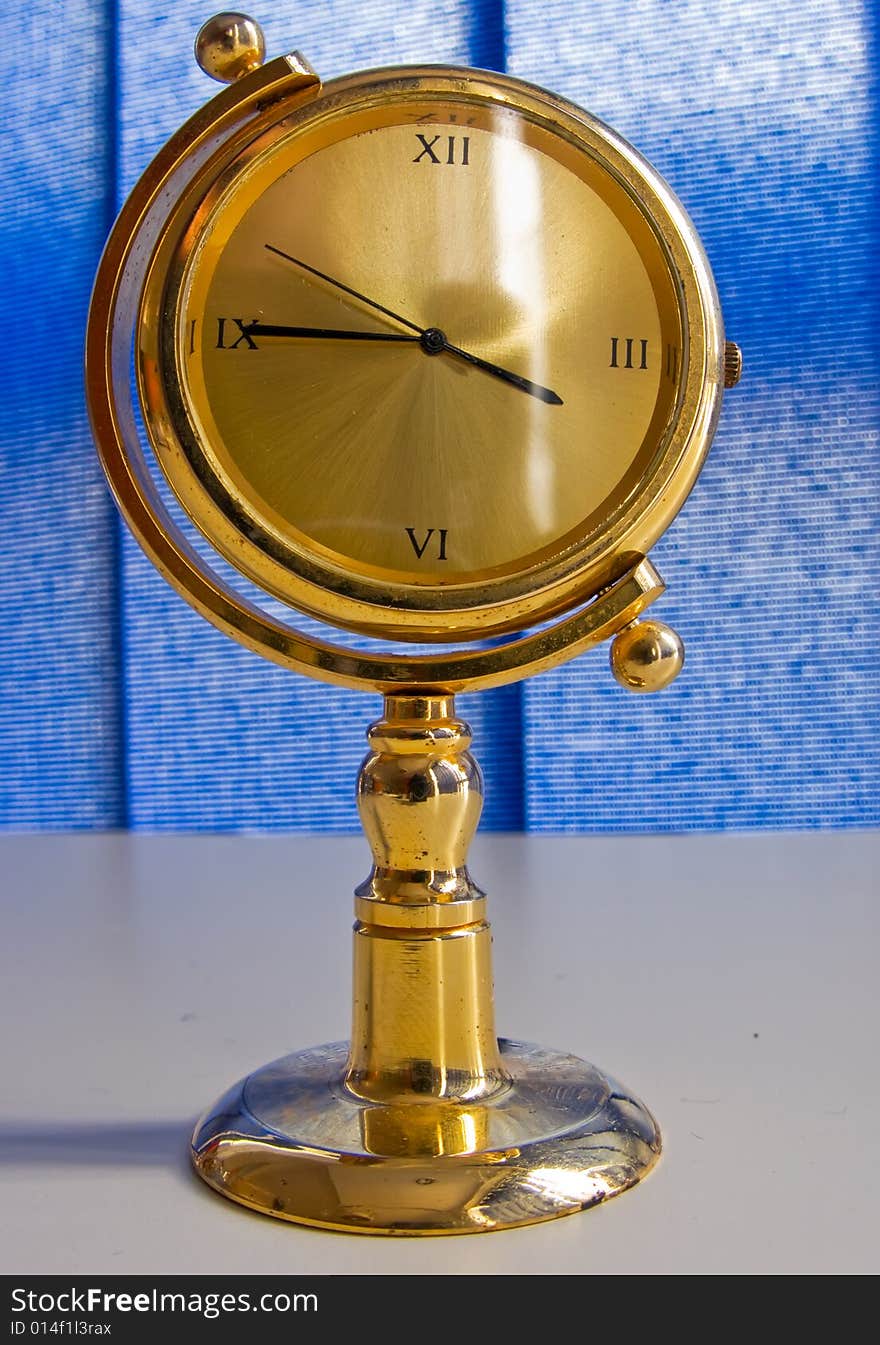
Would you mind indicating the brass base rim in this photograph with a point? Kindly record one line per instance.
(292, 1142)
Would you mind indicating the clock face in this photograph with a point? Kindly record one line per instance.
(425, 346)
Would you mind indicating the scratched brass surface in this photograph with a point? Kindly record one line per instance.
(425, 1122)
(292, 1142)
(423, 1023)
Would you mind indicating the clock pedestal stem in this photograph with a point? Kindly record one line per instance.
(426, 1122)
(423, 1027)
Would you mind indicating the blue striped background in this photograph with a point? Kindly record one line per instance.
(119, 707)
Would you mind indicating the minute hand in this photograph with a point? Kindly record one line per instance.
(433, 341)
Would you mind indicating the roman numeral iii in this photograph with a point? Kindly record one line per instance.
(628, 352)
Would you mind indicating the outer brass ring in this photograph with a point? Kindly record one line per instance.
(322, 583)
(213, 136)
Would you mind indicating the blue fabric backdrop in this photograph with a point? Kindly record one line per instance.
(118, 706)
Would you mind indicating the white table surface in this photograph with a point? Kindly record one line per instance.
(730, 980)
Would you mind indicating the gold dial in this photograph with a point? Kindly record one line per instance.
(436, 357)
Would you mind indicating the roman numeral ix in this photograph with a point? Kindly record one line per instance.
(226, 334)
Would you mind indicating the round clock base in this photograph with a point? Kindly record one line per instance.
(557, 1136)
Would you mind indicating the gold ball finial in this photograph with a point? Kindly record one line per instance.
(229, 46)
(646, 656)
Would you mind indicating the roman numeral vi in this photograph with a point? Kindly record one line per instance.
(421, 547)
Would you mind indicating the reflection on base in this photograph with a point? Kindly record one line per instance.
(292, 1141)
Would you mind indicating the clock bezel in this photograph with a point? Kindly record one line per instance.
(323, 587)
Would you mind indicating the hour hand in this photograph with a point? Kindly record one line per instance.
(253, 329)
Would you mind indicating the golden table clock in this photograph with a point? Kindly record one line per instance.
(433, 356)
